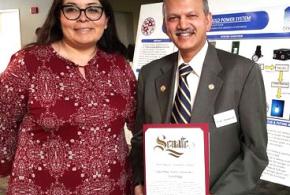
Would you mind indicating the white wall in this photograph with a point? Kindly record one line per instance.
(28, 22)
(10, 37)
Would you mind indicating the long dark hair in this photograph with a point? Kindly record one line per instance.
(51, 29)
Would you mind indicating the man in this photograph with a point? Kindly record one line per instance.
(221, 84)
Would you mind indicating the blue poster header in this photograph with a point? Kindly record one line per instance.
(155, 40)
(240, 21)
(284, 123)
(249, 36)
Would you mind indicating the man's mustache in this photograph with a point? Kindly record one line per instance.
(184, 31)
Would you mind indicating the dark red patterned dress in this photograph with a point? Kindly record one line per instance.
(65, 131)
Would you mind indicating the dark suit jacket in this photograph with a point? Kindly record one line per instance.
(237, 151)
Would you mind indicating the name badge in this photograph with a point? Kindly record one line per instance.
(225, 118)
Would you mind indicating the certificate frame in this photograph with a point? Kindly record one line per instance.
(169, 166)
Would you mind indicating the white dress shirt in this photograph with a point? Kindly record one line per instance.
(193, 78)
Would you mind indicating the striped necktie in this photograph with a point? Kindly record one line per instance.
(181, 111)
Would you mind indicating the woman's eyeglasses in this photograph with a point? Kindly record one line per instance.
(71, 12)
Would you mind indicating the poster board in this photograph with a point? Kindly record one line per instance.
(151, 41)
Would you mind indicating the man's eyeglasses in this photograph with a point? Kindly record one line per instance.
(71, 12)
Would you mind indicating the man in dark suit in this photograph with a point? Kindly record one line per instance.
(222, 85)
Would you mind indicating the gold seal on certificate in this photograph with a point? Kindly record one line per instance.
(176, 159)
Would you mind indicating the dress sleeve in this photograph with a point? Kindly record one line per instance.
(131, 101)
(13, 106)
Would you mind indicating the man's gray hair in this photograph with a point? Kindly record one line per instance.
(205, 7)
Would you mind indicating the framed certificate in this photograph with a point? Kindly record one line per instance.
(176, 159)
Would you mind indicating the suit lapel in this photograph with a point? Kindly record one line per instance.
(164, 86)
(209, 86)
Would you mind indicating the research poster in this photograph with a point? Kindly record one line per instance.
(258, 30)
(151, 41)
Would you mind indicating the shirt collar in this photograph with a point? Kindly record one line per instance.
(197, 61)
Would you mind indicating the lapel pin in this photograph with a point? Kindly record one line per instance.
(211, 86)
(162, 88)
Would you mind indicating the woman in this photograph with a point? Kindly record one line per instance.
(63, 103)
